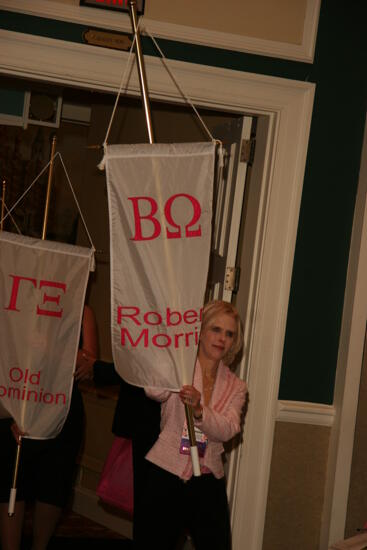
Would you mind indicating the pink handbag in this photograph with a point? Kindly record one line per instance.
(115, 486)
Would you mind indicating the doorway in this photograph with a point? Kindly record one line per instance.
(83, 121)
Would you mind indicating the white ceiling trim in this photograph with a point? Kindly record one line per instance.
(181, 33)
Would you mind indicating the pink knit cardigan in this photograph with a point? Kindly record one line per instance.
(221, 421)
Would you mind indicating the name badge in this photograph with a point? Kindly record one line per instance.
(201, 441)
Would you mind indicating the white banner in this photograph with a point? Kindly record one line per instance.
(42, 292)
(160, 204)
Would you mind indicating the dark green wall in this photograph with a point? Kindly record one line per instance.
(318, 282)
(326, 216)
(11, 102)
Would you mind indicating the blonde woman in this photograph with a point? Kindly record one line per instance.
(174, 499)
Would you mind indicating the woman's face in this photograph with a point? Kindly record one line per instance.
(217, 338)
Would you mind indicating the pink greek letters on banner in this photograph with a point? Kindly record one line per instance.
(156, 229)
(45, 297)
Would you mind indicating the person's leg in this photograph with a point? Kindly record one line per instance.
(140, 475)
(209, 522)
(45, 520)
(54, 474)
(11, 527)
(160, 511)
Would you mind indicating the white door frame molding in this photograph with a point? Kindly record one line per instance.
(288, 104)
(348, 374)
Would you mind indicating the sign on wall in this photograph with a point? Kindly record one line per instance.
(116, 5)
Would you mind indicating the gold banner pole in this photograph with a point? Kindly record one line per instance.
(145, 98)
(13, 490)
(48, 193)
(141, 69)
(192, 437)
(3, 206)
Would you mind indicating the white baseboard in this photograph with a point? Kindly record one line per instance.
(306, 413)
(86, 503)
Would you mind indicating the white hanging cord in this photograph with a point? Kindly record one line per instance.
(28, 188)
(127, 66)
(101, 165)
(164, 61)
(76, 201)
(12, 219)
(72, 190)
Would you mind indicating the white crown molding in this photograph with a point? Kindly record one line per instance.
(40, 58)
(247, 44)
(300, 412)
(181, 33)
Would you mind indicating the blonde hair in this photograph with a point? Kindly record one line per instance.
(219, 307)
